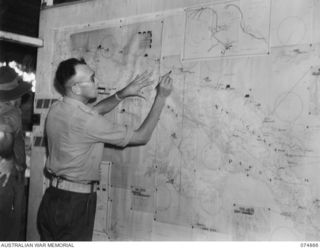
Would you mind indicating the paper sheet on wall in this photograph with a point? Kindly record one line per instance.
(291, 22)
(239, 27)
(173, 32)
(249, 119)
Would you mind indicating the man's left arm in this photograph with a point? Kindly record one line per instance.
(132, 89)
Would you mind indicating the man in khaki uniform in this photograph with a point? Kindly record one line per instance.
(76, 136)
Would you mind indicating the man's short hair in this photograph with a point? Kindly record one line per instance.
(66, 70)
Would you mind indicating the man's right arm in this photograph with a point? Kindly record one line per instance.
(143, 134)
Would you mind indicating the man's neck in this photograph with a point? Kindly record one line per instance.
(78, 98)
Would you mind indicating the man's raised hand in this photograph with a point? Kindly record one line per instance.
(136, 85)
(164, 86)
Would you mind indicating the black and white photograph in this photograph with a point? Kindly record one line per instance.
(195, 122)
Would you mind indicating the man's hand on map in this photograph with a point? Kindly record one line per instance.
(6, 167)
(164, 86)
(136, 85)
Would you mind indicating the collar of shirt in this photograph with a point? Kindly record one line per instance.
(79, 104)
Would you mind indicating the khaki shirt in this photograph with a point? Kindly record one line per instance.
(76, 136)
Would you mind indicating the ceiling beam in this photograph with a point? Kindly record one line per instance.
(21, 39)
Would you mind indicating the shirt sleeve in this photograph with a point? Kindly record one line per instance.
(102, 130)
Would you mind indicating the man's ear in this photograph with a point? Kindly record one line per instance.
(76, 89)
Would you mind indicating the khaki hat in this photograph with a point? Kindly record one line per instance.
(11, 85)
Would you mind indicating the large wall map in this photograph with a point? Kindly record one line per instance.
(236, 153)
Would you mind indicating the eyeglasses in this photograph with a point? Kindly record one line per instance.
(93, 81)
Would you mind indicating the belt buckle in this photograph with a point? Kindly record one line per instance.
(93, 186)
(54, 182)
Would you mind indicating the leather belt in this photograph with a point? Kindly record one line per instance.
(60, 183)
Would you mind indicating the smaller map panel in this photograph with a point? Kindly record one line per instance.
(227, 29)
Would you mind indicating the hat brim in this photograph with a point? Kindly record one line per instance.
(20, 90)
